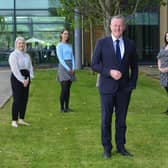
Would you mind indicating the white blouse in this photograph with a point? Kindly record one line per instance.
(20, 60)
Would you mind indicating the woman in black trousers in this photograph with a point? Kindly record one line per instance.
(21, 75)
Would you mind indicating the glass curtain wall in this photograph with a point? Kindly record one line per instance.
(143, 28)
(37, 22)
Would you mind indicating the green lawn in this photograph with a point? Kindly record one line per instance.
(72, 140)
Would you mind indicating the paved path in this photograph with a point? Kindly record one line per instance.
(5, 88)
(150, 70)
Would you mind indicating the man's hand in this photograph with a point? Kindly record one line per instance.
(115, 74)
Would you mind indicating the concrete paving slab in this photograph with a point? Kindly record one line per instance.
(5, 87)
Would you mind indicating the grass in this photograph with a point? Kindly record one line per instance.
(72, 140)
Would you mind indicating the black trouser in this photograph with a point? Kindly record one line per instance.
(166, 88)
(120, 102)
(20, 96)
(65, 94)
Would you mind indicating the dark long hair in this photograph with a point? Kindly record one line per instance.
(166, 41)
(62, 33)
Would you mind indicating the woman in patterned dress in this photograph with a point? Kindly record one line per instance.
(163, 65)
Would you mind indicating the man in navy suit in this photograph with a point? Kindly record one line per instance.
(118, 69)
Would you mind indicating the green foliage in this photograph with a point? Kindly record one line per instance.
(2, 23)
(72, 140)
(101, 11)
(88, 9)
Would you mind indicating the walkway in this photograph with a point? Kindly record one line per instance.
(5, 88)
(150, 70)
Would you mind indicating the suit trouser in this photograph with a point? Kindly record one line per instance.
(20, 98)
(118, 101)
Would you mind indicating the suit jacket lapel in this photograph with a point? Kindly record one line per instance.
(110, 42)
(125, 49)
(111, 48)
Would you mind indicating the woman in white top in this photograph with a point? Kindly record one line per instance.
(21, 75)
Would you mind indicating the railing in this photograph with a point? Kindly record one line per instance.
(38, 56)
(4, 55)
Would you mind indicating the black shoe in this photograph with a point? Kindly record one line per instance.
(165, 112)
(124, 152)
(67, 110)
(107, 154)
(62, 110)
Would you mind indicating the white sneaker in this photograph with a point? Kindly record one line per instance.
(22, 122)
(14, 124)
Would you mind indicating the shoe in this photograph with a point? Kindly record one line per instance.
(22, 122)
(62, 110)
(68, 110)
(107, 154)
(124, 152)
(165, 112)
(14, 124)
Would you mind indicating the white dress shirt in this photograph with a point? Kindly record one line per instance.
(20, 60)
(121, 44)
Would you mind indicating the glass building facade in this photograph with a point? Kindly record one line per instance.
(144, 29)
(39, 19)
(34, 18)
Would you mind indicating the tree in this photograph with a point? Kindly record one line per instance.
(100, 11)
(88, 9)
(125, 7)
(2, 23)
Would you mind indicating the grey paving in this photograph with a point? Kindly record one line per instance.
(5, 87)
(150, 70)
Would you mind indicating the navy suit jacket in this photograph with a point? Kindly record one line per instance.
(104, 59)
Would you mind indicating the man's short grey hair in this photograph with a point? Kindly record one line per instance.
(118, 17)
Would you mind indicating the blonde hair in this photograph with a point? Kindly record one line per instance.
(20, 38)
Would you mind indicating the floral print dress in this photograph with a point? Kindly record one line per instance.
(163, 57)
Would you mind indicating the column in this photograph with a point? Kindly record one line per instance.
(77, 41)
